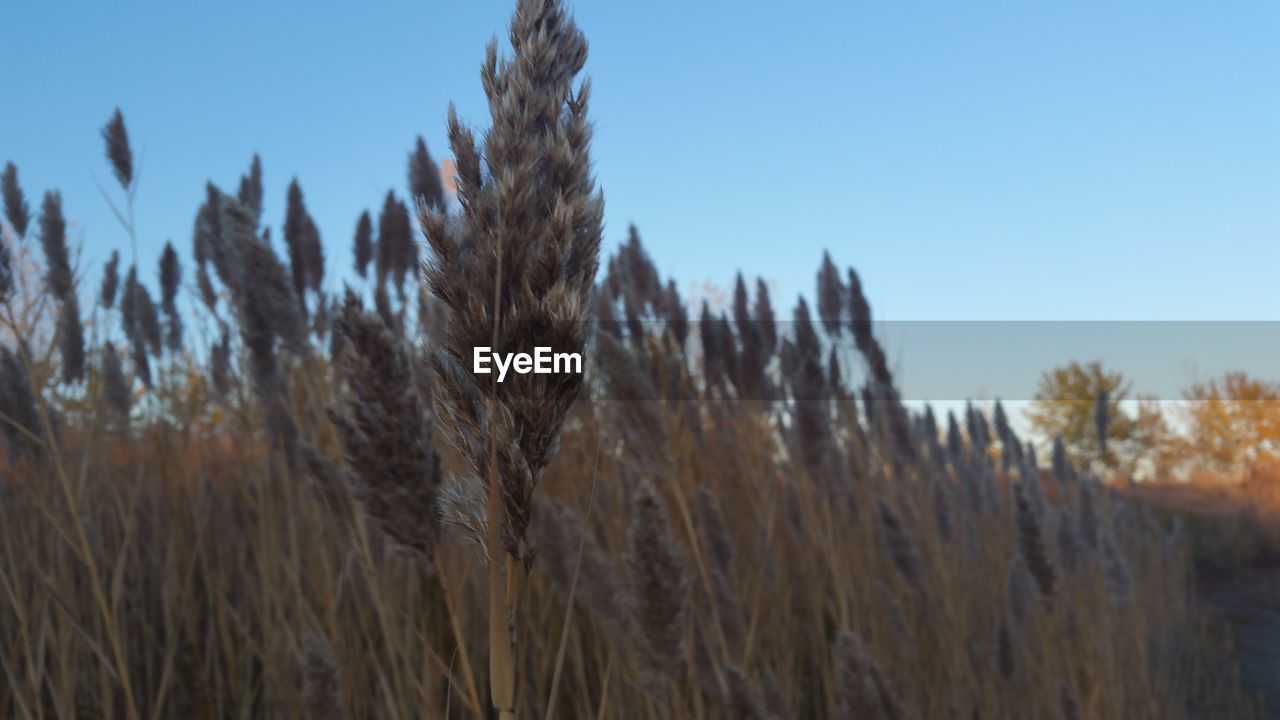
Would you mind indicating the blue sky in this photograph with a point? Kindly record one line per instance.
(1011, 160)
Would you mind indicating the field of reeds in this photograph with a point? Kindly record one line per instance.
(250, 495)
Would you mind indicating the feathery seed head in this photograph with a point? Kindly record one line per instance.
(1019, 588)
(170, 278)
(676, 315)
(362, 248)
(763, 313)
(322, 680)
(53, 238)
(6, 272)
(862, 692)
(831, 296)
(118, 152)
(250, 193)
(71, 340)
(18, 403)
(1115, 572)
(1067, 702)
(220, 365)
(424, 177)
(115, 387)
(896, 543)
(743, 700)
(560, 534)
(110, 281)
(535, 216)
(715, 532)
(1031, 545)
(385, 434)
(395, 243)
(15, 204)
(1101, 420)
(298, 237)
(656, 567)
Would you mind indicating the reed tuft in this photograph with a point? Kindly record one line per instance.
(527, 238)
(118, 152)
(861, 690)
(657, 569)
(15, 204)
(385, 435)
(322, 680)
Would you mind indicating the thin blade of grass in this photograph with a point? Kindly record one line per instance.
(573, 589)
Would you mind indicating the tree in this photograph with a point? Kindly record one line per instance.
(1067, 405)
(1234, 422)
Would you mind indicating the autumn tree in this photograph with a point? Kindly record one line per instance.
(1067, 404)
(1234, 421)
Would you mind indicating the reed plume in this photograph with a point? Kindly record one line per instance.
(1067, 703)
(1090, 519)
(743, 700)
(118, 152)
(676, 315)
(322, 680)
(249, 194)
(894, 611)
(15, 204)
(61, 284)
(715, 532)
(268, 311)
(1115, 571)
(808, 382)
(21, 426)
(141, 318)
(1031, 545)
(635, 271)
(527, 239)
(831, 296)
(297, 237)
(115, 387)
(170, 279)
(110, 281)
(385, 434)
(313, 255)
(563, 541)
(1063, 473)
(633, 401)
(53, 239)
(862, 692)
(6, 272)
(131, 317)
(424, 177)
(222, 246)
(1069, 550)
(395, 243)
(763, 313)
(878, 364)
(774, 698)
(220, 365)
(897, 545)
(657, 569)
(362, 246)
(754, 355)
(1019, 591)
(71, 340)
(1101, 419)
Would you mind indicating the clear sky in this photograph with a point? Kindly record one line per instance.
(993, 160)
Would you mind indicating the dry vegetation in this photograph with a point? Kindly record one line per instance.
(284, 509)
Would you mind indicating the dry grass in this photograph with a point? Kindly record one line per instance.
(275, 531)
